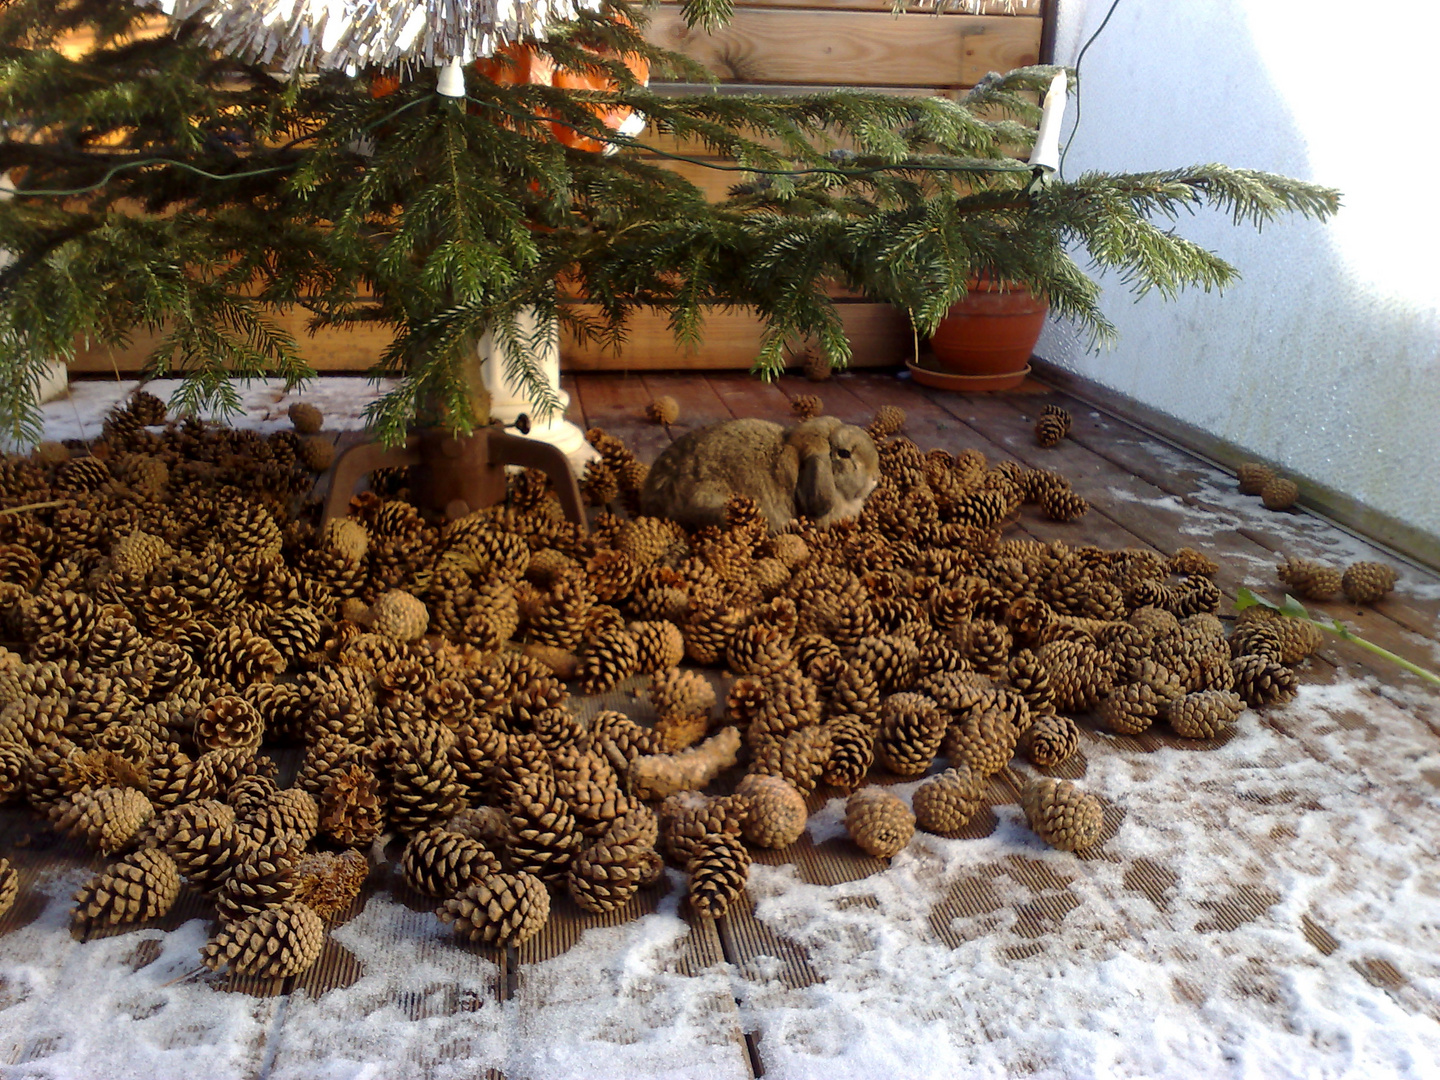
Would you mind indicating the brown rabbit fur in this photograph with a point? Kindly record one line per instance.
(821, 468)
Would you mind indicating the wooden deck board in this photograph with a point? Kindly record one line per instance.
(1141, 494)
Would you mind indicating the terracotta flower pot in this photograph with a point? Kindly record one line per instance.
(985, 341)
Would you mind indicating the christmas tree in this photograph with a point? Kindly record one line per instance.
(162, 183)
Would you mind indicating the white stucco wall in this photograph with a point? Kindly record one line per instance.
(1325, 358)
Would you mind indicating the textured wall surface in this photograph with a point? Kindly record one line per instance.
(1325, 358)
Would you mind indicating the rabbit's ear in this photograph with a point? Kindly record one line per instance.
(815, 490)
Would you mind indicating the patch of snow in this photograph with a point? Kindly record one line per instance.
(929, 970)
(427, 1005)
(70, 1011)
(264, 403)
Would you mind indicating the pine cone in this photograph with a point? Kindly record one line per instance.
(563, 615)
(424, 787)
(759, 648)
(1367, 582)
(144, 885)
(680, 698)
(296, 632)
(399, 616)
(107, 818)
(1061, 814)
(1262, 681)
(15, 765)
(81, 474)
(686, 818)
(263, 879)
(253, 531)
(272, 944)
(443, 864)
(718, 871)
(623, 740)
(945, 803)
(228, 723)
(1205, 715)
(1187, 561)
(1028, 678)
(663, 410)
(317, 453)
(807, 406)
(852, 752)
(775, 813)
(9, 886)
(800, 758)
(599, 486)
(589, 785)
(1279, 494)
(1059, 504)
(1051, 740)
(658, 645)
(347, 538)
(911, 730)
(291, 813)
(612, 575)
(306, 418)
(1051, 429)
(894, 660)
(1060, 414)
(1129, 710)
(987, 645)
(1079, 674)
(815, 364)
(328, 753)
(500, 910)
(609, 657)
(488, 824)
(607, 874)
(1288, 641)
(879, 822)
(983, 737)
(202, 839)
(544, 833)
(1257, 638)
(249, 793)
(137, 553)
(239, 657)
(1253, 477)
(888, 420)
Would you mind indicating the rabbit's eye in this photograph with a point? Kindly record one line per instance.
(842, 453)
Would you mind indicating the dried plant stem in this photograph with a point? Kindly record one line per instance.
(33, 506)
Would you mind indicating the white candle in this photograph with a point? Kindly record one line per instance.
(1052, 117)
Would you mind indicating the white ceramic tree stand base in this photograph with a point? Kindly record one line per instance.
(509, 401)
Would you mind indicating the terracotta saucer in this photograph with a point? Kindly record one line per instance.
(941, 380)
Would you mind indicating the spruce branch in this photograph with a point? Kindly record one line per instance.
(240, 195)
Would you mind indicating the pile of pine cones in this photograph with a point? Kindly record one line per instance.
(180, 613)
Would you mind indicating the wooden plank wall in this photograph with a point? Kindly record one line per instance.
(782, 46)
(770, 46)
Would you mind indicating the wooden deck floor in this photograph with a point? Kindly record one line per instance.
(1302, 870)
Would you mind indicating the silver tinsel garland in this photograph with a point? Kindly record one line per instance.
(293, 35)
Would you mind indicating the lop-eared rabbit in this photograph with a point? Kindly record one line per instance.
(821, 469)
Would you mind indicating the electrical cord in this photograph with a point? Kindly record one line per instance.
(1084, 49)
(143, 162)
